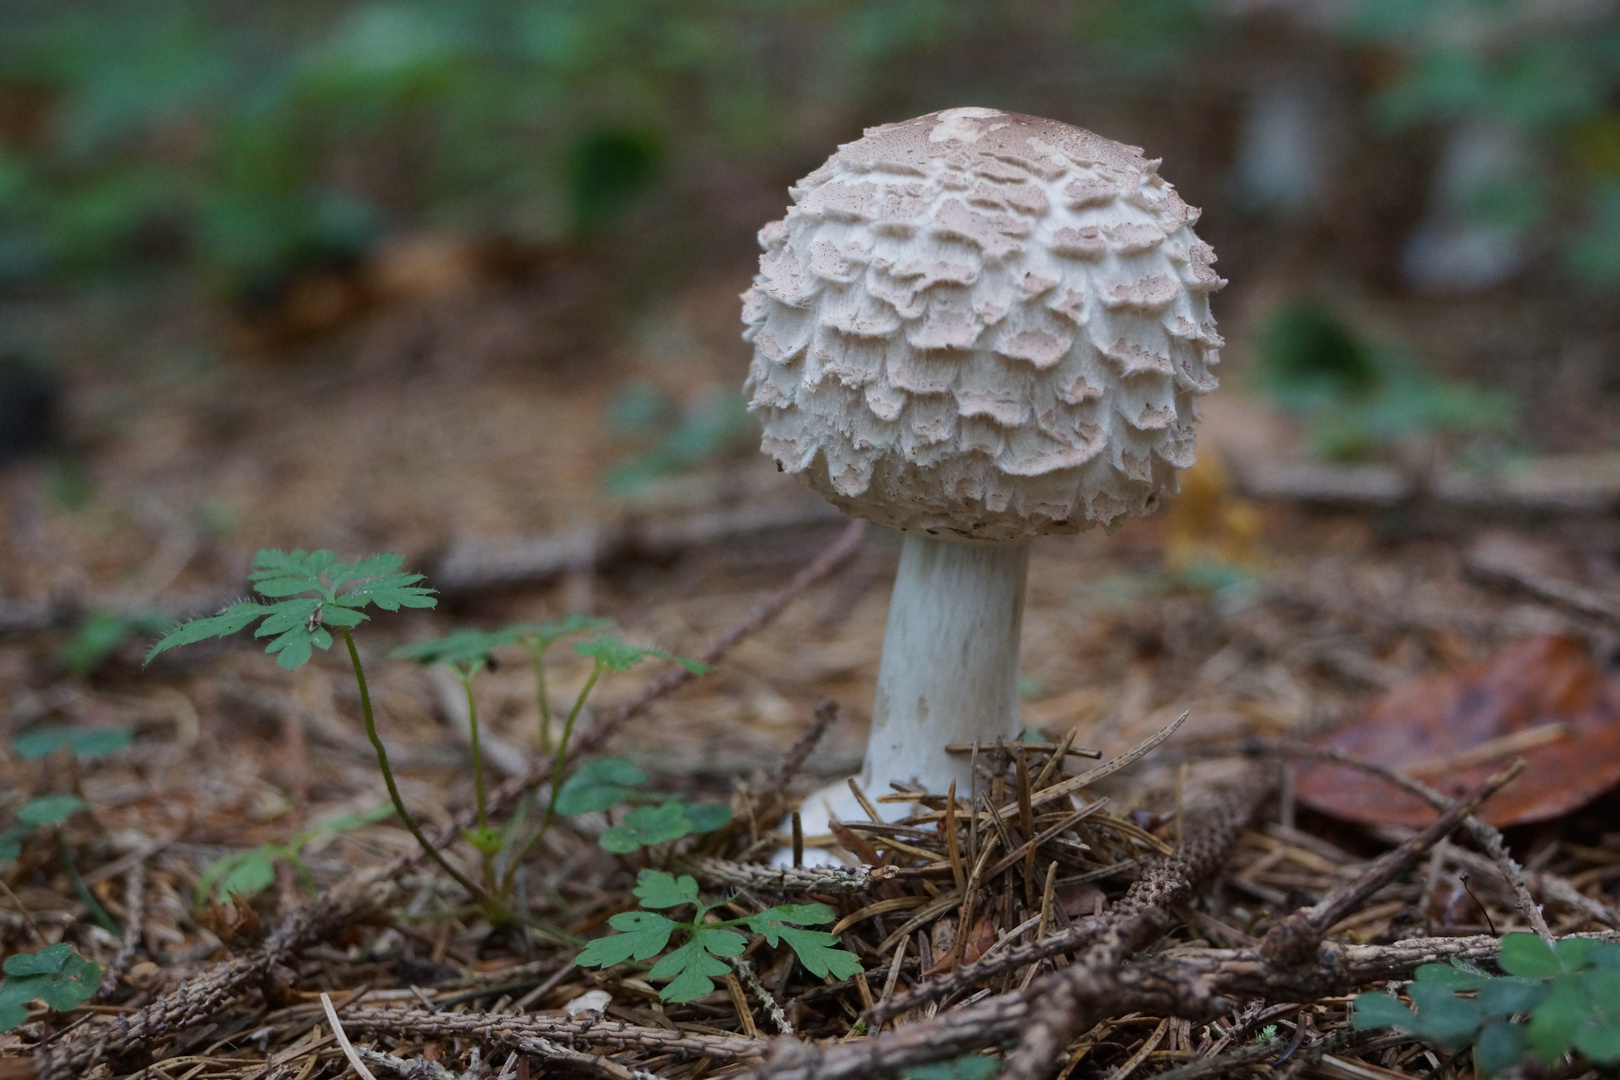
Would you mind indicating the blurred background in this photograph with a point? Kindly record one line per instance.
(459, 277)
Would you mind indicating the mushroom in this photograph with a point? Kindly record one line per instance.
(977, 327)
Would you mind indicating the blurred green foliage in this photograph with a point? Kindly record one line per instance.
(249, 140)
(257, 137)
(1356, 395)
(1549, 73)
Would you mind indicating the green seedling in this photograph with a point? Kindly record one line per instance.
(656, 818)
(1554, 998)
(693, 967)
(56, 975)
(248, 873)
(606, 653)
(104, 633)
(309, 593)
(467, 652)
(80, 742)
(38, 811)
(1359, 395)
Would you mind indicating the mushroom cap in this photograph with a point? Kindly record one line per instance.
(984, 325)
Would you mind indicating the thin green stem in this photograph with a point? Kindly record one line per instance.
(560, 760)
(393, 788)
(486, 858)
(537, 658)
(479, 796)
(86, 897)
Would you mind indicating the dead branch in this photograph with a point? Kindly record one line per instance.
(1489, 566)
(759, 877)
(491, 1027)
(1482, 833)
(1299, 934)
(191, 1004)
(1068, 997)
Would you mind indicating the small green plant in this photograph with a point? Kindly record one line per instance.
(306, 594)
(1359, 395)
(693, 966)
(309, 592)
(80, 742)
(247, 873)
(104, 633)
(1554, 999)
(38, 811)
(467, 652)
(967, 1067)
(55, 975)
(655, 819)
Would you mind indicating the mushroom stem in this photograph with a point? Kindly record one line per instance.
(949, 673)
(950, 661)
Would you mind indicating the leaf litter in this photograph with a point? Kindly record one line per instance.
(1030, 882)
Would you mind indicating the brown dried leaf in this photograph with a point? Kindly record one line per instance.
(1542, 698)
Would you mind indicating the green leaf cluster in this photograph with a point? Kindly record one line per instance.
(967, 1067)
(692, 968)
(658, 818)
(1554, 999)
(469, 651)
(1358, 395)
(247, 873)
(308, 591)
(55, 975)
(103, 633)
(40, 810)
(44, 741)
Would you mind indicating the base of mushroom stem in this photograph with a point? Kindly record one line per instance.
(820, 808)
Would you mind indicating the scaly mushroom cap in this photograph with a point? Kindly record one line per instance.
(985, 325)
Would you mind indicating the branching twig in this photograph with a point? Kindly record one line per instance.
(1481, 832)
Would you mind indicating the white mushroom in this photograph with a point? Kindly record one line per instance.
(977, 327)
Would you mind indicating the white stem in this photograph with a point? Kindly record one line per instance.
(949, 675)
(950, 662)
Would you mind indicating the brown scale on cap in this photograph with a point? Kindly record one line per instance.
(983, 325)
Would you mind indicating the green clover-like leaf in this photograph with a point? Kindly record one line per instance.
(1443, 1017)
(548, 633)
(239, 616)
(971, 1067)
(1599, 1040)
(1380, 1010)
(647, 825)
(598, 785)
(659, 889)
(816, 949)
(252, 874)
(466, 650)
(1527, 955)
(707, 817)
(1506, 996)
(616, 654)
(642, 934)
(47, 961)
(1500, 1046)
(1555, 1022)
(310, 590)
(49, 809)
(692, 968)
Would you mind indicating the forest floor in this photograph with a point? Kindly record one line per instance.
(1188, 914)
